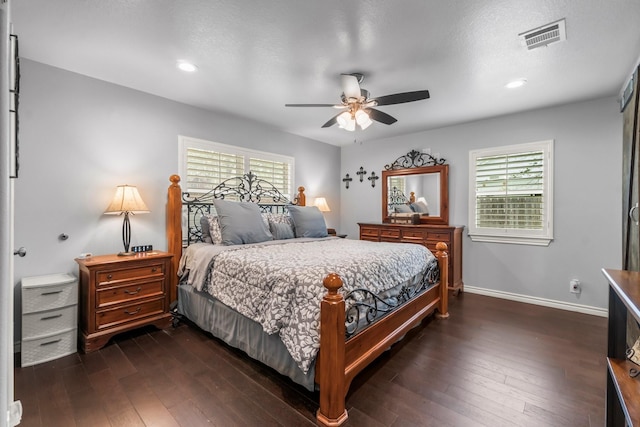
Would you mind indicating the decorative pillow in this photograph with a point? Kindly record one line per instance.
(278, 218)
(241, 222)
(420, 207)
(204, 227)
(308, 221)
(210, 227)
(403, 209)
(281, 231)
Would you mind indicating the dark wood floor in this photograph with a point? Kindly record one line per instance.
(493, 363)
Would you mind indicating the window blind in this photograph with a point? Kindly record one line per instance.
(275, 172)
(206, 168)
(510, 191)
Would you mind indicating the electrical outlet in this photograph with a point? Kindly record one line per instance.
(574, 286)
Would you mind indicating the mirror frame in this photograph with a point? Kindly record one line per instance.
(443, 170)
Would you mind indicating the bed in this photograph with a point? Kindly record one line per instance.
(314, 307)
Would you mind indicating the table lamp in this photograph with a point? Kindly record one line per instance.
(126, 201)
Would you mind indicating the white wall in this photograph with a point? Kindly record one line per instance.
(587, 197)
(81, 137)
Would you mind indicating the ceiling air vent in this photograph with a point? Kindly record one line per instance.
(544, 35)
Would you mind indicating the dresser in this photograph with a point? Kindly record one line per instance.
(120, 293)
(49, 318)
(427, 235)
(623, 391)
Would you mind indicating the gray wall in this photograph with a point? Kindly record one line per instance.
(81, 137)
(587, 197)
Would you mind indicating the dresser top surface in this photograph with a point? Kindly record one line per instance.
(426, 226)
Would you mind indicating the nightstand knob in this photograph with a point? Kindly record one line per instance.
(109, 276)
(154, 269)
(131, 313)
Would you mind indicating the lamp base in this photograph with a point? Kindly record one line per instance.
(126, 253)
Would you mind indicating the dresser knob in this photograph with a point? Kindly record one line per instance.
(127, 291)
(131, 313)
(154, 269)
(109, 276)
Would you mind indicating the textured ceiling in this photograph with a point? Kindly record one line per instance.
(255, 56)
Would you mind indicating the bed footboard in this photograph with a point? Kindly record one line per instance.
(339, 361)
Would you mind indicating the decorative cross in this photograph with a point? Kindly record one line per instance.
(373, 178)
(347, 180)
(361, 172)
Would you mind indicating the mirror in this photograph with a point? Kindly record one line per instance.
(423, 190)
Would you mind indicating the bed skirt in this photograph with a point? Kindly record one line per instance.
(240, 332)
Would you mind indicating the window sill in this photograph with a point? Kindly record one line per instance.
(516, 240)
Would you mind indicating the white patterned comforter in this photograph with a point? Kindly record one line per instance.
(279, 283)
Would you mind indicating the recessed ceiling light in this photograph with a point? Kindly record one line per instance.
(187, 66)
(516, 83)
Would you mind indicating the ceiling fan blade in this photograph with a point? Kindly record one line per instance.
(401, 98)
(309, 105)
(331, 121)
(350, 86)
(381, 117)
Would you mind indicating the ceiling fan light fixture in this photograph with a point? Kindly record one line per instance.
(343, 119)
(363, 119)
(351, 125)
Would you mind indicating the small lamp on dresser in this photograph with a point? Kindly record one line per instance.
(126, 201)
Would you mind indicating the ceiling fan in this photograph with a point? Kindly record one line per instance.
(358, 106)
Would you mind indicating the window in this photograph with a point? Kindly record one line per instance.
(205, 164)
(397, 189)
(511, 194)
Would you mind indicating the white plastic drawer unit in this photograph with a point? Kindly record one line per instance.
(49, 317)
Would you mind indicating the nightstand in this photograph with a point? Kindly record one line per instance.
(49, 318)
(120, 293)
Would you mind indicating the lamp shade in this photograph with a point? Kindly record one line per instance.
(321, 203)
(126, 199)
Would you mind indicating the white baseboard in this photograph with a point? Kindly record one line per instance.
(586, 309)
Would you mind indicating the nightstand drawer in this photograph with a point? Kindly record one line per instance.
(44, 323)
(48, 348)
(109, 276)
(49, 297)
(129, 292)
(128, 313)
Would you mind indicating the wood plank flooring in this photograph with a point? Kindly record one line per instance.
(492, 363)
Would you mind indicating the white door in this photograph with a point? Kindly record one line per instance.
(6, 221)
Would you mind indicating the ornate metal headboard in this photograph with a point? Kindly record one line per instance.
(245, 188)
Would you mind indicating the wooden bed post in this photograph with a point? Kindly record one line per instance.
(174, 232)
(301, 198)
(443, 262)
(331, 359)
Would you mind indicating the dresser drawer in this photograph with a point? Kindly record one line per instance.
(106, 277)
(438, 236)
(129, 292)
(49, 297)
(47, 348)
(389, 233)
(412, 234)
(369, 232)
(44, 323)
(128, 313)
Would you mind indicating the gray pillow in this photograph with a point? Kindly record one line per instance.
(281, 231)
(241, 222)
(308, 221)
(204, 227)
(420, 207)
(403, 209)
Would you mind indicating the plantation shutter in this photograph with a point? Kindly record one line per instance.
(275, 172)
(510, 191)
(207, 168)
